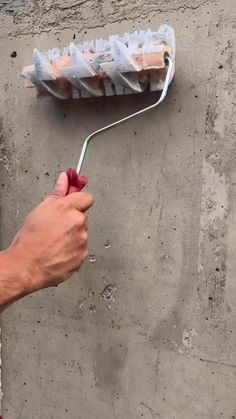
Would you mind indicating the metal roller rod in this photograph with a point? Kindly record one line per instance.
(114, 124)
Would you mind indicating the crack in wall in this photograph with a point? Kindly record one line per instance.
(36, 18)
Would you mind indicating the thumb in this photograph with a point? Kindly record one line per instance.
(61, 187)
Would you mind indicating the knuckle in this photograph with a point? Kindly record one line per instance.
(84, 238)
(81, 219)
(91, 198)
(84, 255)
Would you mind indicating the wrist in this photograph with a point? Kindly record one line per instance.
(12, 284)
(27, 266)
(17, 276)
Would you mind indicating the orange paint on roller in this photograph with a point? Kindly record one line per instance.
(133, 63)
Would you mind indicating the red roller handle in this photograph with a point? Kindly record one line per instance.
(76, 182)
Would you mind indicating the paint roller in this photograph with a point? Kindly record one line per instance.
(130, 64)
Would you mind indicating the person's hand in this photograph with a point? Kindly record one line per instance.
(52, 244)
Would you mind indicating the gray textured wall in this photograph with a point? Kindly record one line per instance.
(165, 201)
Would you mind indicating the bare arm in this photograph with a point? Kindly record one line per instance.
(50, 246)
(13, 279)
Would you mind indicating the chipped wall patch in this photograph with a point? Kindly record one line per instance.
(186, 345)
(214, 195)
(187, 339)
(214, 207)
(109, 295)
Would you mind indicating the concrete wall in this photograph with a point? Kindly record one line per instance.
(165, 189)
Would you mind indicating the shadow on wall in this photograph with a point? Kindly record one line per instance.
(109, 109)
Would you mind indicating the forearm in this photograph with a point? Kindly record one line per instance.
(13, 278)
(50, 246)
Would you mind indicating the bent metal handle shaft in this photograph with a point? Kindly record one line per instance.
(114, 124)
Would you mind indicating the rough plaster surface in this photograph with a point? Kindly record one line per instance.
(147, 329)
(31, 17)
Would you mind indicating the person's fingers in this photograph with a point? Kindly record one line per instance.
(60, 189)
(72, 189)
(61, 186)
(76, 182)
(81, 201)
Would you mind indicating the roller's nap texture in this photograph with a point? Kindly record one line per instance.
(132, 63)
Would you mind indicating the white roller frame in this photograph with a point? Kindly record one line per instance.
(114, 124)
